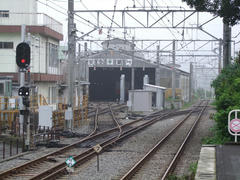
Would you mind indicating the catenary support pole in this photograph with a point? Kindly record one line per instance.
(190, 82)
(122, 88)
(79, 78)
(173, 70)
(86, 70)
(71, 57)
(157, 74)
(71, 51)
(226, 45)
(220, 56)
(22, 83)
(133, 69)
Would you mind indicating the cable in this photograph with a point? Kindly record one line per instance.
(65, 14)
(96, 18)
(114, 9)
(87, 21)
(176, 30)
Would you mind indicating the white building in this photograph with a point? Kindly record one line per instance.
(44, 34)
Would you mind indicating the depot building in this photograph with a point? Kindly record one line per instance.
(118, 58)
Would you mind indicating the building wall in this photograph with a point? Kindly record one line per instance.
(8, 56)
(27, 6)
(18, 6)
(117, 44)
(184, 85)
(47, 90)
(40, 54)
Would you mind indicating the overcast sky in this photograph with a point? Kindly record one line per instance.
(57, 9)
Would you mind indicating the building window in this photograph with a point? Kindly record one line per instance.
(1, 89)
(4, 13)
(53, 55)
(6, 45)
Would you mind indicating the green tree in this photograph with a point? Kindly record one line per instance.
(229, 10)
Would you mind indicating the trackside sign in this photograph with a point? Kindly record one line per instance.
(234, 123)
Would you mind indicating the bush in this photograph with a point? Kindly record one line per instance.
(227, 91)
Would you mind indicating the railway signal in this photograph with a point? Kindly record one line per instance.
(23, 55)
(23, 91)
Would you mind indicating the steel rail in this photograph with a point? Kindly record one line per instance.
(106, 110)
(61, 150)
(95, 122)
(43, 158)
(115, 121)
(146, 157)
(174, 161)
(80, 159)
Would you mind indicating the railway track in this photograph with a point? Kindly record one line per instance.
(138, 170)
(103, 110)
(53, 165)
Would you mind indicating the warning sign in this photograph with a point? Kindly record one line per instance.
(235, 125)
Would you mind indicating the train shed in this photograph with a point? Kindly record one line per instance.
(119, 58)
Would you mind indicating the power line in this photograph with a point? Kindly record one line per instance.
(63, 13)
(114, 9)
(95, 16)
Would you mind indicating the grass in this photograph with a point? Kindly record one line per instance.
(186, 105)
(215, 138)
(190, 176)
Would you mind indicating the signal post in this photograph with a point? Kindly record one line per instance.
(23, 61)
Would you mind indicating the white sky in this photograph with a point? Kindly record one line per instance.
(214, 27)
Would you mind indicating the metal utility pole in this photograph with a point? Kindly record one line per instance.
(158, 68)
(71, 51)
(22, 83)
(190, 82)
(71, 60)
(122, 88)
(23, 58)
(226, 45)
(133, 73)
(79, 76)
(86, 68)
(220, 56)
(173, 70)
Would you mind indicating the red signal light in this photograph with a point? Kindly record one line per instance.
(23, 55)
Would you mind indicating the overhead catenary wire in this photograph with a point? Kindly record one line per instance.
(110, 28)
(101, 23)
(87, 22)
(163, 23)
(65, 14)
(175, 29)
